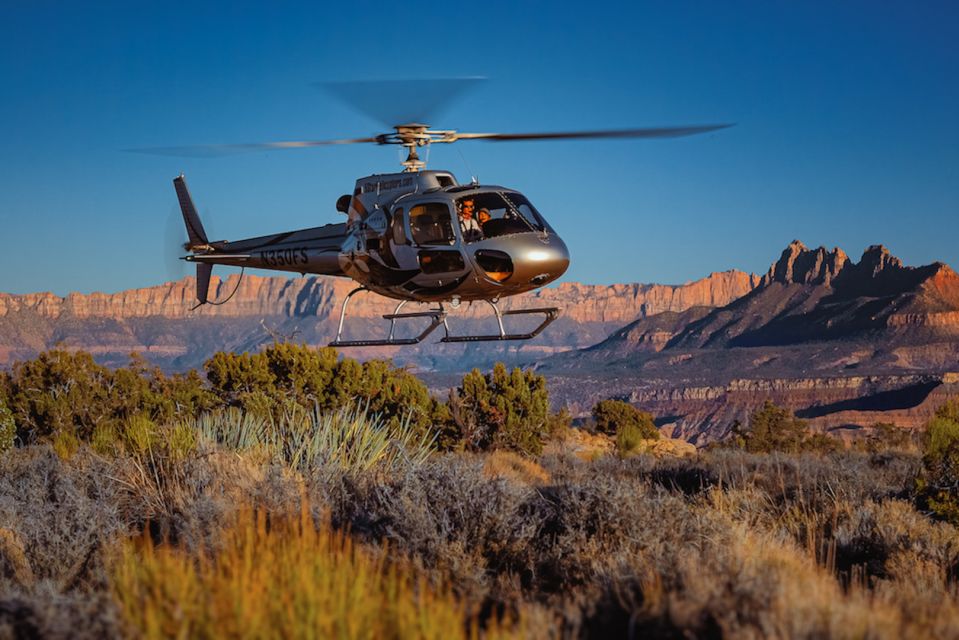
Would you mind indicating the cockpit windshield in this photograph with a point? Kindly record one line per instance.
(488, 215)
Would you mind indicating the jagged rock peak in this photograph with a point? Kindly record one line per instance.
(877, 258)
(800, 265)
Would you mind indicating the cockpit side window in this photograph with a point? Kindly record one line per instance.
(431, 224)
(526, 209)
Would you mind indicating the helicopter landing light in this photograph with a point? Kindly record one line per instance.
(540, 256)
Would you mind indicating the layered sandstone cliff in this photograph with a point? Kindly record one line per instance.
(161, 322)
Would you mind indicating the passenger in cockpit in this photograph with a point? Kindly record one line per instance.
(483, 216)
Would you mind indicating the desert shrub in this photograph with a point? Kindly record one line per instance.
(65, 444)
(822, 443)
(283, 577)
(105, 439)
(559, 424)
(67, 392)
(612, 415)
(885, 436)
(61, 514)
(8, 430)
(938, 484)
(503, 409)
(287, 376)
(140, 434)
(814, 482)
(773, 428)
(59, 391)
(629, 437)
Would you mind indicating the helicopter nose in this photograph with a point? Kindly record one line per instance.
(544, 261)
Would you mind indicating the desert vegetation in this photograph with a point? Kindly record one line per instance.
(298, 494)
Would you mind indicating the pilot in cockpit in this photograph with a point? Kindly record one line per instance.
(468, 225)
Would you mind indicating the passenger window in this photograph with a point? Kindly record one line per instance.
(399, 233)
(430, 223)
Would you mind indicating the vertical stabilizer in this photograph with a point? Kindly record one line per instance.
(194, 228)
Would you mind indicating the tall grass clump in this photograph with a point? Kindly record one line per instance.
(283, 577)
(349, 439)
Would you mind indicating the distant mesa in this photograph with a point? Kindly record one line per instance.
(160, 321)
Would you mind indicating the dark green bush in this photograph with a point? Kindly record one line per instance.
(774, 428)
(612, 416)
(8, 430)
(505, 410)
(938, 483)
(285, 376)
(885, 436)
(63, 392)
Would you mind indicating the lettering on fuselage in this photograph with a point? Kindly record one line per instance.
(284, 257)
(386, 185)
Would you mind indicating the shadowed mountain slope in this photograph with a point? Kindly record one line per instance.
(811, 302)
(840, 342)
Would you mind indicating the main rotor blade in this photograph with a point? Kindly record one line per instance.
(649, 132)
(214, 150)
(396, 102)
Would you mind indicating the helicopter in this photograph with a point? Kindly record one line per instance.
(415, 236)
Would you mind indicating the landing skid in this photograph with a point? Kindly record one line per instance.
(439, 317)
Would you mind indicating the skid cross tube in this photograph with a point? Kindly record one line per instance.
(439, 317)
(551, 314)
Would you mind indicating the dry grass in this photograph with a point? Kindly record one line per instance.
(726, 544)
(514, 468)
(283, 577)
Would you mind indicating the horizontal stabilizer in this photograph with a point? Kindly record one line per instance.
(216, 257)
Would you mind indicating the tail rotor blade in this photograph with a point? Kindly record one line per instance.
(174, 239)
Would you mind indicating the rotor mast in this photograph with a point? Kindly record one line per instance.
(411, 136)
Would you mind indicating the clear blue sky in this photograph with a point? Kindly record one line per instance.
(847, 134)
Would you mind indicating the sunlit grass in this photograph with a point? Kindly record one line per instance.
(284, 577)
(350, 439)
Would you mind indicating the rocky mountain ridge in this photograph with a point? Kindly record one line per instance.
(161, 323)
(837, 341)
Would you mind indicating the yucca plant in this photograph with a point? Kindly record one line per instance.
(350, 439)
(231, 428)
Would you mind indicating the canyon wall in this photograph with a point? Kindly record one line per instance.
(160, 321)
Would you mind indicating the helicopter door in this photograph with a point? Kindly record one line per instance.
(432, 236)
